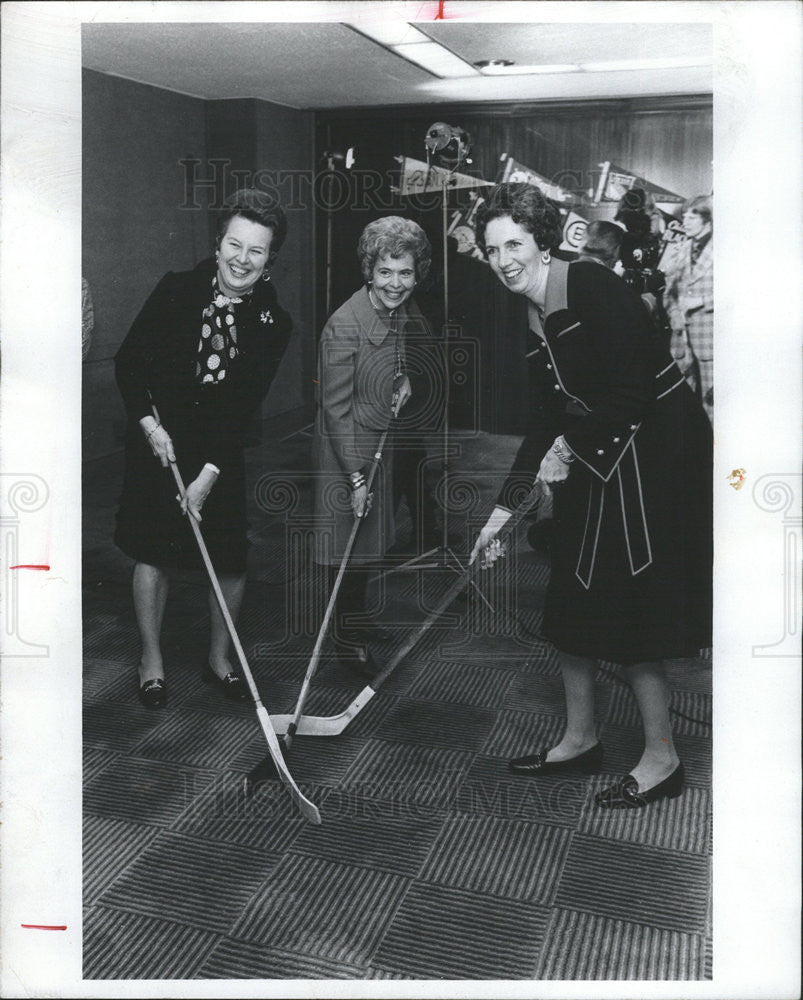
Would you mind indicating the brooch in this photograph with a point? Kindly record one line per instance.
(265, 316)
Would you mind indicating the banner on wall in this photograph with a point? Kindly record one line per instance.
(574, 232)
(673, 237)
(463, 228)
(615, 182)
(417, 177)
(513, 172)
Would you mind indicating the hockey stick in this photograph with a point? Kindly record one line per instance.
(333, 725)
(307, 809)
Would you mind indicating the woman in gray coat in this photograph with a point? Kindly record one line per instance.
(362, 386)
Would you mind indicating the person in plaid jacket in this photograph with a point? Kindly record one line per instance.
(689, 300)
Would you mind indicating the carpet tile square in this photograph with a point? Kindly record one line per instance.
(499, 857)
(108, 639)
(464, 727)
(517, 733)
(466, 684)
(314, 761)
(190, 881)
(446, 933)
(235, 959)
(318, 907)
(108, 846)
(407, 772)
(119, 945)
(192, 738)
(624, 745)
(543, 695)
(149, 791)
(623, 711)
(266, 821)
(500, 643)
(94, 761)
(680, 824)
(400, 846)
(99, 674)
(489, 789)
(628, 881)
(584, 946)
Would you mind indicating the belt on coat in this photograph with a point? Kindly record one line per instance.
(626, 490)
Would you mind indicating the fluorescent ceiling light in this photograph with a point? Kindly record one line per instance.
(671, 62)
(516, 70)
(436, 59)
(390, 32)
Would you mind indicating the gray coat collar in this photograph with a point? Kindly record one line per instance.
(556, 296)
(376, 326)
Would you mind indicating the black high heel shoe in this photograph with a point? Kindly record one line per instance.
(625, 794)
(153, 693)
(231, 684)
(536, 765)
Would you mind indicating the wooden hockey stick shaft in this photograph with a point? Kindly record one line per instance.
(307, 809)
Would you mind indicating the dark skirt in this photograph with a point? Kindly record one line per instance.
(150, 526)
(664, 611)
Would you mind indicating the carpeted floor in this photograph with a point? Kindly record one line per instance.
(432, 861)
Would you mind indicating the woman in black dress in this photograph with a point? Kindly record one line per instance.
(627, 448)
(204, 349)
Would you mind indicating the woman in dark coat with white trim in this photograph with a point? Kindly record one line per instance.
(627, 448)
(204, 349)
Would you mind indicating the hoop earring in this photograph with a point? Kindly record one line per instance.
(545, 258)
(266, 275)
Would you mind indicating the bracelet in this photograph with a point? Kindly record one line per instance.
(561, 449)
(357, 479)
(155, 429)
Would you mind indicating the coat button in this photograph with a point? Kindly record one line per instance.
(549, 367)
(633, 427)
(600, 451)
(557, 388)
(616, 440)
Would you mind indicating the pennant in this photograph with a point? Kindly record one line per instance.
(673, 236)
(615, 182)
(418, 177)
(462, 228)
(516, 173)
(574, 232)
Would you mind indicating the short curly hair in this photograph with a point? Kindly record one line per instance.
(393, 236)
(703, 206)
(527, 207)
(257, 206)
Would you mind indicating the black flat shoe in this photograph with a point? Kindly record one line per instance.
(264, 771)
(625, 794)
(231, 684)
(536, 764)
(153, 693)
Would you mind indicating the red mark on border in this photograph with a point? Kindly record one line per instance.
(440, 15)
(29, 566)
(45, 927)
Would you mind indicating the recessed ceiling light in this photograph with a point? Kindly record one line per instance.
(500, 67)
(436, 59)
(487, 63)
(661, 62)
